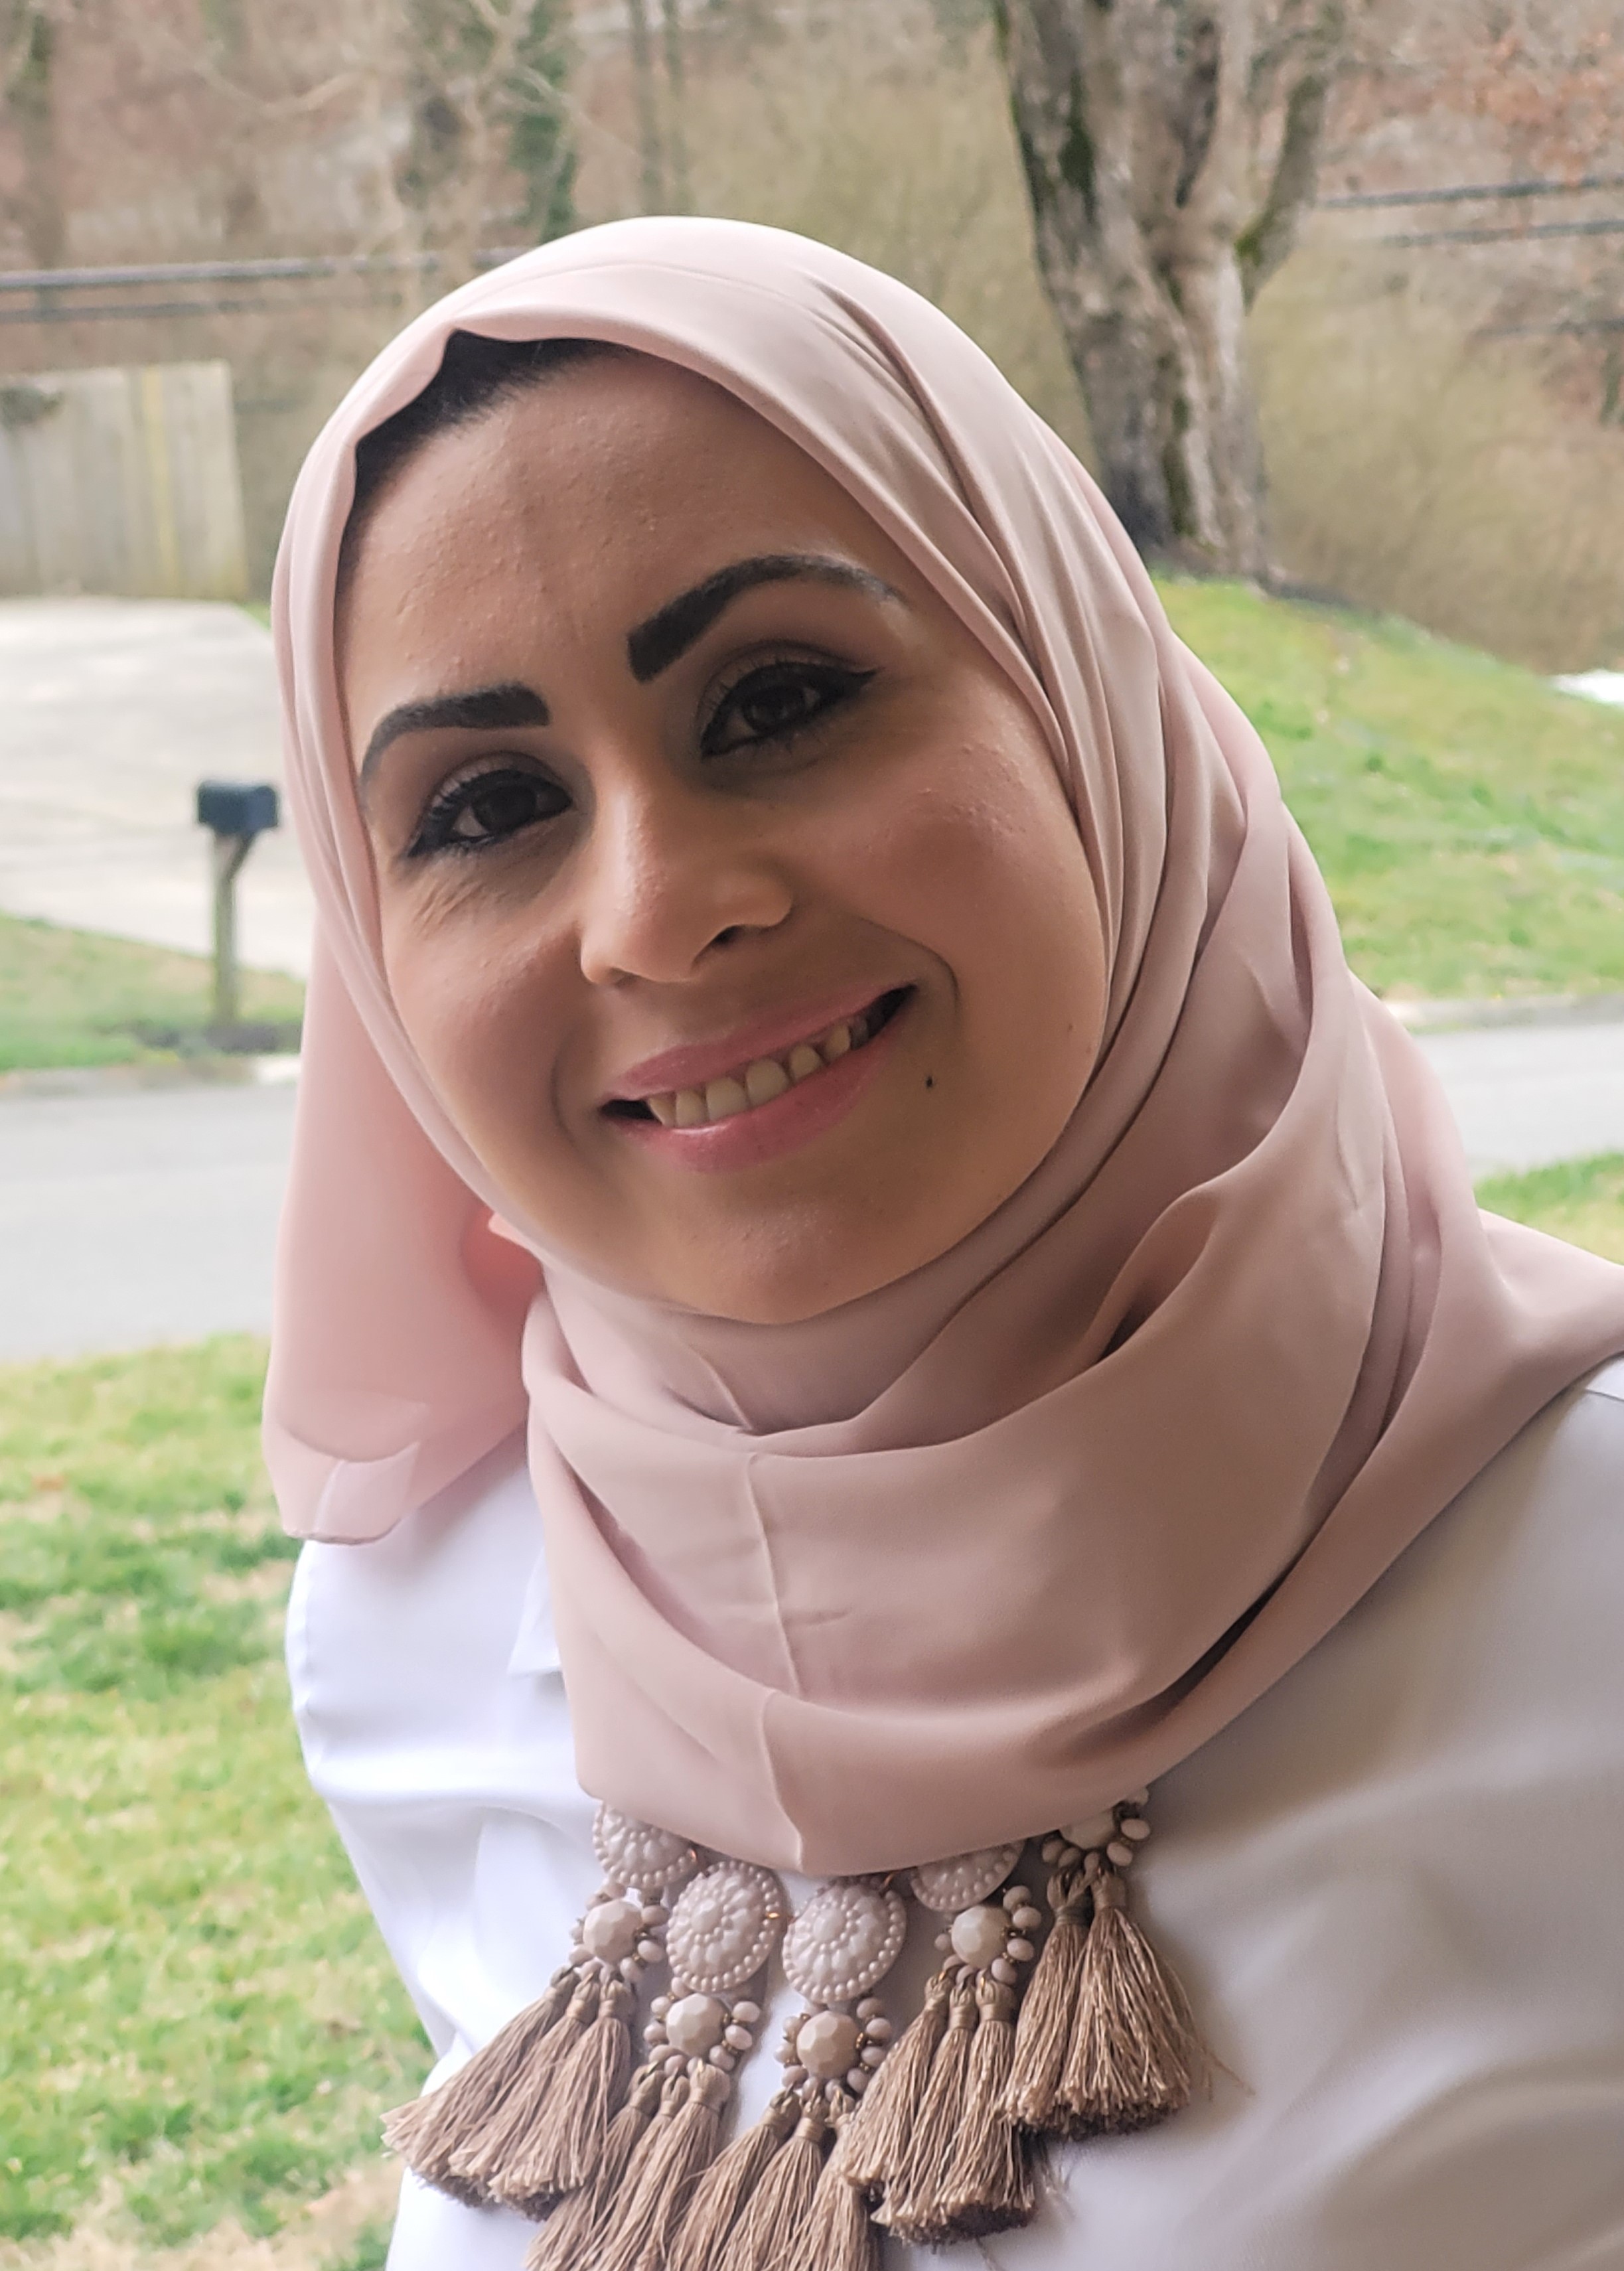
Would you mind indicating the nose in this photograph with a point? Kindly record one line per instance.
(670, 874)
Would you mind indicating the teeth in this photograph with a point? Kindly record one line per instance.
(766, 1078)
(724, 1098)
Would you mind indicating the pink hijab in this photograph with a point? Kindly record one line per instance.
(982, 1551)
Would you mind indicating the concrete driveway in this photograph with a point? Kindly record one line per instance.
(111, 711)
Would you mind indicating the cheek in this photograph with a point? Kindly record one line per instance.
(984, 868)
(477, 998)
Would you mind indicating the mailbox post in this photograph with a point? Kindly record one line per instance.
(234, 812)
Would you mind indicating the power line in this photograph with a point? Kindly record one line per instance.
(1468, 193)
(1536, 231)
(295, 269)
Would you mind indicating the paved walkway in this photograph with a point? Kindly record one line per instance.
(133, 1216)
(111, 711)
(129, 1216)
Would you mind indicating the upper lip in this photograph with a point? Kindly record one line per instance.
(773, 1034)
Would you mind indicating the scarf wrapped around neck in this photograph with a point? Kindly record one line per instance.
(983, 1550)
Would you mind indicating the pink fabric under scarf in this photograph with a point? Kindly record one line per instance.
(980, 1552)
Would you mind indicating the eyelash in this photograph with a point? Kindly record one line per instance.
(834, 684)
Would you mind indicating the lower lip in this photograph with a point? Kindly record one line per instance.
(751, 1139)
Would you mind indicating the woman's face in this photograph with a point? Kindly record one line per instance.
(729, 894)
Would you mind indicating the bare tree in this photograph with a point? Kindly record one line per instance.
(28, 37)
(651, 143)
(1171, 148)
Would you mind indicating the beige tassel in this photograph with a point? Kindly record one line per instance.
(430, 2132)
(913, 2206)
(839, 2234)
(481, 2162)
(565, 2242)
(874, 2138)
(763, 2238)
(1135, 2055)
(679, 2146)
(1048, 2017)
(989, 2185)
(561, 2151)
(727, 2184)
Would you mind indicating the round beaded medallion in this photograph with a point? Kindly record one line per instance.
(724, 1926)
(844, 1941)
(634, 1853)
(964, 1878)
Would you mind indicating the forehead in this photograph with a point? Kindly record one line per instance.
(624, 463)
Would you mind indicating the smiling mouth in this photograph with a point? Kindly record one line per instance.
(764, 1079)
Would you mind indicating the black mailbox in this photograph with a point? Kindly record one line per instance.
(236, 807)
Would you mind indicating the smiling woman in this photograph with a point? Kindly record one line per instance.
(732, 849)
(859, 1283)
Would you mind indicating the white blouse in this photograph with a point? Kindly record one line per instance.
(1395, 1889)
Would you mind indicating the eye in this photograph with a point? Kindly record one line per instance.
(775, 701)
(486, 809)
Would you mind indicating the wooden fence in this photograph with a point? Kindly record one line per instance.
(121, 481)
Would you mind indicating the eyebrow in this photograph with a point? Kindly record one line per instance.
(486, 709)
(654, 645)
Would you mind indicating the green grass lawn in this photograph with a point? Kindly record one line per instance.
(72, 997)
(1469, 821)
(196, 2013)
(193, 2001)
(1582, 1201)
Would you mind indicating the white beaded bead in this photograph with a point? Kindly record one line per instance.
(660, 2005)
(1004, 1972)
(978, 1935)
(611, 1929)
(878, 2031)
(650, 1951)
(1027, 1919)
(870, 2008)
(826, 2044)
(696, 2024)
(1119, 1855)
(857, 2082)
(739, 2039)
(873, 2055)
(748, 2014)
(1020, 1951)
(1135, 1828)
(1018, 1897)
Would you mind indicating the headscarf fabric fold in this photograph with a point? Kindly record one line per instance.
(977, 1553)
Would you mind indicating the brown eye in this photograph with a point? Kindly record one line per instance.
(776, 701)
(488, 809)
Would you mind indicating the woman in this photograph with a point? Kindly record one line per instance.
(834, 1106)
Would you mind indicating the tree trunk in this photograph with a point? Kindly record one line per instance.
(676, 111)
(30, 37)
(647, 92)
(1142, 125)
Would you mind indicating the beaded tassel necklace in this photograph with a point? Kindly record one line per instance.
(1049, 2017)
